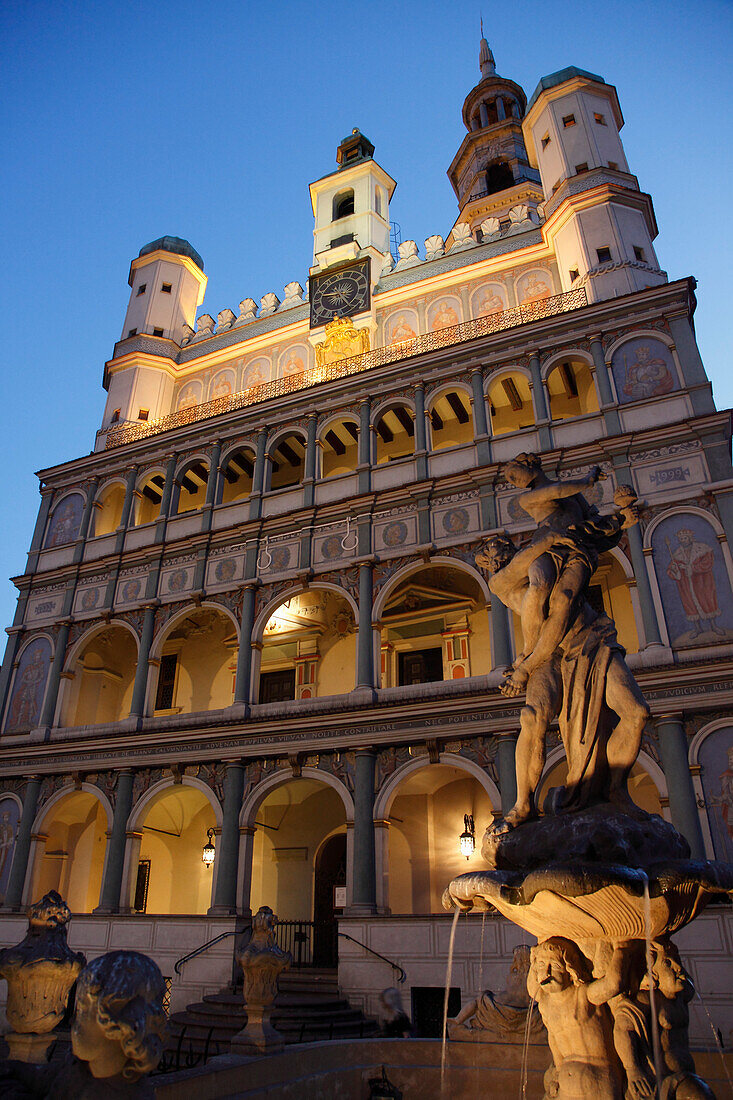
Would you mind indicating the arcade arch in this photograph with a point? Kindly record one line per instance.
(394, 429)
(286, 461)
(197, 662)
(237, 473)
(451, 418)
(108, 509)
(339, 442)
(70, 848)
(510, 403)
(100, 678)
(149, 495)
(571, 390)
(191, 482)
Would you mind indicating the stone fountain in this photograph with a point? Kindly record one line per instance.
(601, 883)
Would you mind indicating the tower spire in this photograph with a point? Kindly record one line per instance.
(485, 57)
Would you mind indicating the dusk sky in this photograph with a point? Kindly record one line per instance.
(125, 122)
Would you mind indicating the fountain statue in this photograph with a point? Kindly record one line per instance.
(40, 971)
(601, 883)
(116, 1036)
(502, 1017)
(262, 963)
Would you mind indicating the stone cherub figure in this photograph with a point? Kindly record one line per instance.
(262, 962)
(116, 1036)
(572, 667)
(501, 1017)
(674, 991)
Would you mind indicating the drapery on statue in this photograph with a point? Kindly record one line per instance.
(572, 666)
(501, 1017)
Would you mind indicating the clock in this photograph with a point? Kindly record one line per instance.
(339, 293)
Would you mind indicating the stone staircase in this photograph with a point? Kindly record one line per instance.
(307, 1009)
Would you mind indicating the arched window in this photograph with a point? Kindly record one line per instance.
(237, 476)
(510, 404)
(343, 204)
(100, 686)
(571, 390)
(108, 509)
(192, 482)
(499, 177)
(395, 434)
(198, 662)
(287, 461)
(451, 420)
(339, 448)
(149, 496)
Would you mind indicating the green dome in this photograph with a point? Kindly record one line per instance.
(176, 245)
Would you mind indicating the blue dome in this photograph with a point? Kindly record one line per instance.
(176, 245)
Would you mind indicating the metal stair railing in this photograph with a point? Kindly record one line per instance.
(204, 947)
(395, 966)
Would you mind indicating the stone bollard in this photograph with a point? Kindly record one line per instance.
(40, 971)
(262, 962)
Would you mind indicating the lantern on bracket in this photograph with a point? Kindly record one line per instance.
(208, 854)
(467, 839)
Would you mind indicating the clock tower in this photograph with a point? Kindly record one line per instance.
(351, 234)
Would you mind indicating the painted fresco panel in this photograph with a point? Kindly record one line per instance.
(222, 384)
(293, 361)
(534, 286)
(401, 326)
(643, 368)
(24, 712)
(693, 581)
(9, 818)
(444, 313)
(65, 521)
(189, 397)
(256, 373)
(488, 300)
(716, 763)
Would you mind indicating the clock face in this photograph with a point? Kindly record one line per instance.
(339, 293)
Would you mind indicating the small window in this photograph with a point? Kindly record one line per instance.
(166, 681)
(604, 255)
(157, 332)
(545, 141)
(166, 288)
(131, 332)
(343, 205)
(568, 120)
(613, 166)
(143, 414)
(141, 289)
(580, 168)
(639, 254)
(600, 119)
(115, 416)
(574, 274)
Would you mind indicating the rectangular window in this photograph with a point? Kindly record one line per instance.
(639, 254)
(276, 687)
(157, 332)
(166, 681)
(141, 289)
(574, 274)
(166, 288)
(132, 332)
(568, 120)
(140, 903)
(424, 666)
(115, 416)
(580, 168)
(143, 414)
(600, 119)
(604, 255)
(613, 166)
(545, 141)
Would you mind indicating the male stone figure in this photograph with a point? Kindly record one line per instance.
(502, 1016)
(572, 665)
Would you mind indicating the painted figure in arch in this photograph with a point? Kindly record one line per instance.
(253, 376)
(65, 522)
(535, 289)
(490, 304)
(25, 707)
(187, 400)
(293, 365)
(445, 317)
(223, 386)
(401, 330)
(647, 376)
(691, 568)
(8, 825)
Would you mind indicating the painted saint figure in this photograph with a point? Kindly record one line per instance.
(535, 290)
(691, 568)
(490, 304)
(445, 317)
(646, 376)
(401, 330)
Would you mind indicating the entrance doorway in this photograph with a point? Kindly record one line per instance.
(330, 875)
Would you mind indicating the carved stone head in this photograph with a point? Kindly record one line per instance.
(497, 551)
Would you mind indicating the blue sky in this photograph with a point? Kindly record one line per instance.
(124, 122)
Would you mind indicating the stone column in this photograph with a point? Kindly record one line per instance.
(246, 855)
(643, 587)
(244, 656)
(54, 676)
(109, 898)
(86, 517)
(365, 640)
(675, 762)
(506, 765)
(258, 475)
(309, 468)
(137, 707)
(501, 646)
(483, 112)
(39, 530)
(480, 419)
(227, 857)
(365, 874)
(540, 403)
(692, 366)
(19, 868)
(608, 405)
(365, 441)
(212, 486)
(421, 443)
(166, 498)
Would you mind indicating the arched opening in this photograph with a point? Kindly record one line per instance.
(149, 496)
(197, 664)
(309, 648)
(171, 876)
(287, 461)
(451, 419)
(339, 448)
(330, 877)
(434, 626)
(108, 509)
(101, 678)
(426, 819)
(395, 434)
(571, 390)
(642, 788)
(609, 591)
(71, 859)
(192, 482)
(499, 175)
(292, 823)
(343, 204)
(510, 404)
(237, 474)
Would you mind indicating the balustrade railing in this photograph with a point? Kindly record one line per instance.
(405, 349)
